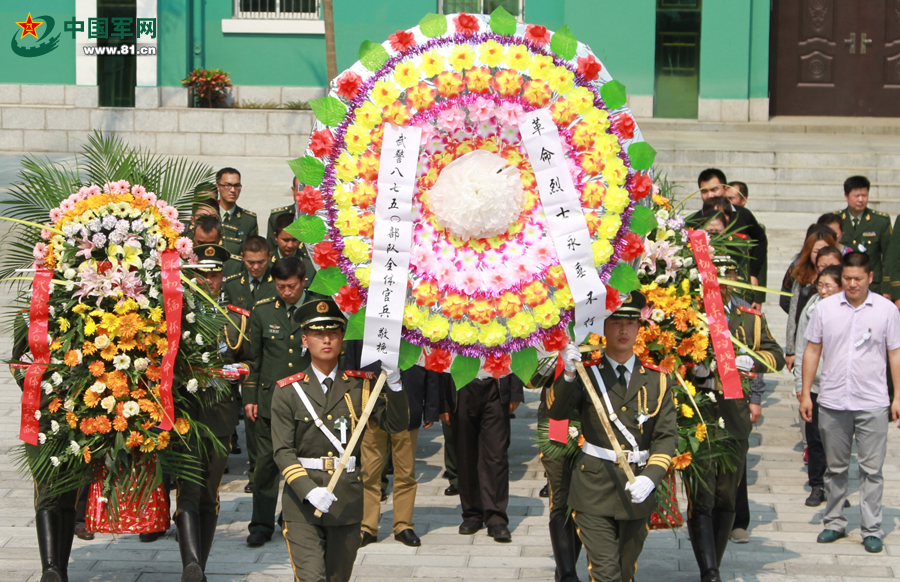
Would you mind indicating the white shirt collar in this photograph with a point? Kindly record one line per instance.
(629, 365)
(321, 377)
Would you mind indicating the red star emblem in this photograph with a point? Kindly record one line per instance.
(29, 27)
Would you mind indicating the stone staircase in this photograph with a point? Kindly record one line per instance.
(789, 164)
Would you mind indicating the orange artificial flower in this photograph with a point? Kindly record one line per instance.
(138, 394)
(71, 419)
(682, 461)
(182, 425)
(148, 446)
(162, 440)
(88, 348)
(87, 426)
(91, 398)
(102, 424)
(71, 358)
(54, 405)
(134, 440)
(110, 352)
(120, 424)
(97, 368)
(153, 373)
(129, 325)
(87, 454)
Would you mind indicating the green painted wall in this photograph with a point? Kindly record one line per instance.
(56, 67)
(375, 20)
(626, 47)
(759, 49)
(173, 36)
(725, 49)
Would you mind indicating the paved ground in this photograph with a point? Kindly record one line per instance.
(782, 545)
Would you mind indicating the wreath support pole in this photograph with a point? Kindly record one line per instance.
(354, 438)
(604, 420)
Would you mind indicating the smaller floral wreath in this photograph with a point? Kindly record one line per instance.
(468, 81)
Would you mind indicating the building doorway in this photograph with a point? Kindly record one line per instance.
(117, 74)
(835, 57)
(677, 82)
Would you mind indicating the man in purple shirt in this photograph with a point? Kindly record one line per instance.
(858, 333)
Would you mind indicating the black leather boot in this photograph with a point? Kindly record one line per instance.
(208, 523)
(723, 522)
(188, 524)
(563, 539)
(66, 536)
(704, 543)
(47, 525)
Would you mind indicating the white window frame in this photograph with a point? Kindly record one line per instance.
(520, 17)
(278, 14)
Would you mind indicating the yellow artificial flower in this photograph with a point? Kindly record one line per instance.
(63, 324)
(368, 116)
(615, 171)
(493, 334)
(407, 74)
(414, 316)
(436, 328)
(343, 196)
(700, 432)
(362, 275)
(385, 92)
(690, 388)
(687, 411)
(462, 57)
(110, 322)
(546, 314)
(464, 333)
(541, 67)
(347, 168)
(563, 298)
(561, 80)
(597, 120)
(517, 57)
(432, 62)
(356, 250)
(602, 252)
(81, 308)
(126, 306)
(522, 324)
(616, 199)
(182, 425)
(156, 314)
(491, 53)
(609, 226)
(358, 139)
(580, 100)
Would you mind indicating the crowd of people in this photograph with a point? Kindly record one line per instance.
(304, 394)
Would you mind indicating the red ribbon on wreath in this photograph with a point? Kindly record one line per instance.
(715, 315)
(172, 299)
(39, 312)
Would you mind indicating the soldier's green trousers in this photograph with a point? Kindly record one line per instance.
(204, 498)
(319, 553)
(64, 502)
(266, 478)
(250, 435)
(612, 545)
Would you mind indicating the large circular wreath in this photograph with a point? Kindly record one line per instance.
(485, 280)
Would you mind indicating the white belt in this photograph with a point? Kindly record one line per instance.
(327, 463)
(639, 458)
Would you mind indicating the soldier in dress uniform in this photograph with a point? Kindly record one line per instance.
(711, 509)
(237, 223)
(197, 505)
(867, 231)
(290, 209)
(277, 352)
(313, 416)
(207, 230)
(288, 246)
(612, 515)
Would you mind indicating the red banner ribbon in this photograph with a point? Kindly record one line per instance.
(715, 315)
(171, 284)
(39, 313)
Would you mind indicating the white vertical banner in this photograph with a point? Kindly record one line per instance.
(392, 243)
(565, 219)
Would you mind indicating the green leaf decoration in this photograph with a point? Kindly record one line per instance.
(564, 43)
(613, 94)
(624, 279)
(502, 22)
(372, 56)
(409, 355)
(642, 155)
(642, 220)
(308, 170)
(464, 369)
(571, 330)
(328, 281)
(307, 229)
(355, 325)
(329, 110)
(433, 25)
(524, 363)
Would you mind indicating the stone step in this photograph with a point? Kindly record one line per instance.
(780, 125)
(792, 174)
(807, 159)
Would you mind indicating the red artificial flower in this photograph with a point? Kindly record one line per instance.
(348, 85)
(320, 142)
(309, 200)
(624, 125)
(539, 35)
(402, 40)
(641, 185)
(437, 360)
(325, 255)
(348, 299)
(103, 266)
(497, 366)
(613, 300)
(466, 24)
(556, 340)
(589, 67)
(632, 246)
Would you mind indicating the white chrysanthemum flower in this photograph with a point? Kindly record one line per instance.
(657, 315)
(191, 318)
(56, 379)
(199, 339)
(46, 387)
(192, 385)
(205, 357)
(688, 261)
(186, 335)
(662, 215)
(661, 279)
(52, 310)
(42, 438)
(573, 433)
(121, 362)
(70, 286)
(109, 403)
(54, 461)
(143, 302)
(102, 499)
(694, 274)
(712, 396)
(37, 414)
(69, 405)
(721, 422)
(141, 364)
(130, 409)
(54, 426)
(74, 448)
(98, 387)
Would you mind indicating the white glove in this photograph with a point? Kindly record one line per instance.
(571, 354)
(321, 499)
(744, 363)
(393, 378)
(640, 489)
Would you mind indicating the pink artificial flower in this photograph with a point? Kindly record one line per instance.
(94, 190)
(46, 234)
(510, 113)
(468, 282)
(171, 213)
(178, 226)
(496, 280)
(66, 205)
(161, 204)
(544, 252)
(138, 190)
(124, 186)
(40, 252)
(86, 248)
(55, 215)
(151, 197)
(184, 246)
(429, 132)
(419, 255)
(451, 119)
(482, 109)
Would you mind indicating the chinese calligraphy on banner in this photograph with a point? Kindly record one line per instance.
(392, 242)
(40, 351)
(565, 219)
(715, 315)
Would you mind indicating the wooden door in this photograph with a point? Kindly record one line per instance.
(836, 57)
